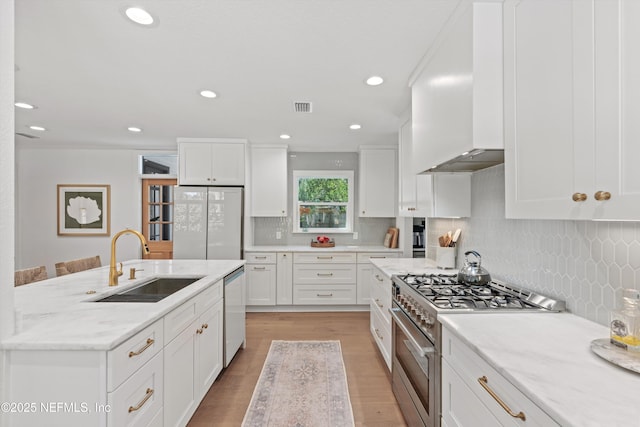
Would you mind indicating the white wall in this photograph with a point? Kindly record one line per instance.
(40, 170)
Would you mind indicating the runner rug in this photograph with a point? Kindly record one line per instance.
(302, 384)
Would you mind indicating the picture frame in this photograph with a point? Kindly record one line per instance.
(84, 210)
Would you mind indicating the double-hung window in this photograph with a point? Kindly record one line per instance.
(322, 201)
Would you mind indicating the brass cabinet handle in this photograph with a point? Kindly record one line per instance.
(324, 295)
(143, 401)
(378, 334)
(579, 197)
(260, 257)
(146, 346)
(324, 274)
(411, 209)
(324, 257)
(259, 268)
(205, 325)
(483, 382)
(379, 278)
(602, 195)
(378, 303)
(199, 331)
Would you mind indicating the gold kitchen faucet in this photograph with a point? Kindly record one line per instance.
(114, 273)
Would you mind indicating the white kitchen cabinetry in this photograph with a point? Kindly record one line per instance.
(194, 357)
(439, 194)
(472, 391)
(261, 278)
(379, 313)
(269, 181)
(365, 270)
(377, 182)
(457, 96)
(211, 161)
(284, 278)
(324, 279)
(572, 98)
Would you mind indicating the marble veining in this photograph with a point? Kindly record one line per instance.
(547, 356)
(58, 314)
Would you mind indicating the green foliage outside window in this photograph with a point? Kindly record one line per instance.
(323, 190)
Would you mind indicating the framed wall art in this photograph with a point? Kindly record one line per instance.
(83, 210)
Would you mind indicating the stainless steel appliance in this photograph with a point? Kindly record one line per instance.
(208, 223)
(418, 241)
(234, 314)
(417, 301)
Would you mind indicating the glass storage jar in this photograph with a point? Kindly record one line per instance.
(625, 321)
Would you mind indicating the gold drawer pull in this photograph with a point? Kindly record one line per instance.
(199, 331)
(324, 257)
(579, 197)
(378, 303)
(378, 334)
(324, 274)
(205, 325)
(147, 345)
(379, 278)
(260, 257)
(143, 401)
(483, 382)
(324, 295)
(602, 195)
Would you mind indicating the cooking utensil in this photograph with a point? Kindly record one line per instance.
(455, 237)
(472, 273)
(441, 241)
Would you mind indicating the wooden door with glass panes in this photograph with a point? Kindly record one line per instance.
(157, 217)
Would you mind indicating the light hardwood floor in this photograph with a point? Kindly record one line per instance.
(369, 380)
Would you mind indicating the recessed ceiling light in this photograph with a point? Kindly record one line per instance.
(285, 136)
(375, 80)
(208, 93)
(24, 105)
(134, 129)
(139, 16)
(40, 128)
(355, 126)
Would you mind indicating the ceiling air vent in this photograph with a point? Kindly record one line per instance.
(26, 135)
(302, 107)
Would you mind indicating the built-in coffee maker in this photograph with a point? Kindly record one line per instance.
(418, 238)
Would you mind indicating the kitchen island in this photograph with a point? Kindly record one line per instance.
(74, 361)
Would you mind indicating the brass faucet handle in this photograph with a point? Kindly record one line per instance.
(119, 272)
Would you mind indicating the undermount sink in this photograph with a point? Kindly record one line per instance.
(152, 291)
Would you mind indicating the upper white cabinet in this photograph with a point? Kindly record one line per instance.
(430, 195)
(377, 186)
(457, 95)
(572, 102)
(269, 181)
(211, 161)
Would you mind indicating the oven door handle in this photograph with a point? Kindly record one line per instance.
(422, 351)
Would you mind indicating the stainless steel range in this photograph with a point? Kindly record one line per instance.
(417, 301)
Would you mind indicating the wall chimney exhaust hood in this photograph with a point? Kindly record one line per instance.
(470, 162)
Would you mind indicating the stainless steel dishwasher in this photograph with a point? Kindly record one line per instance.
(234, 314)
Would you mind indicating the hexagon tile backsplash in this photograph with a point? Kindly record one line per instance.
(585, 263)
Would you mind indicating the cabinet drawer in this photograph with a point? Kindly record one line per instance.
(470, 367)
(129, 356)
(260, 257)
(381, 331)
(209, 297)
(139, 399)
(324, 258)
(180, 318)
(329, 295)
(381, 299)
(365, 257)
(310, 274)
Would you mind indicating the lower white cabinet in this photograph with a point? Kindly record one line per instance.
(192, 362)
(324, 279)
(284, 278)
(472, 389)
(261, 278)
(365, 270)
(380, 316)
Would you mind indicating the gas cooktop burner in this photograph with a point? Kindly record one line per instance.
(445, 292)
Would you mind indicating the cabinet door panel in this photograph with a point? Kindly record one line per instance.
(179, 376)
(195, 164)
(377, 183)
(269, 182)
(261, 284)
(284, 279)
(227, 164)
(209, 349)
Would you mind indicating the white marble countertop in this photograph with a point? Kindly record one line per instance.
(308, 248)
(547, 356)
(57, 313)
(390, 266)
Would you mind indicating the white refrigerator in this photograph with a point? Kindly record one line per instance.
(207, 223)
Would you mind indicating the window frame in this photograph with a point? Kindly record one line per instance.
(350, 208)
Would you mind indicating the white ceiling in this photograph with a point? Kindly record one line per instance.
(92, 73)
